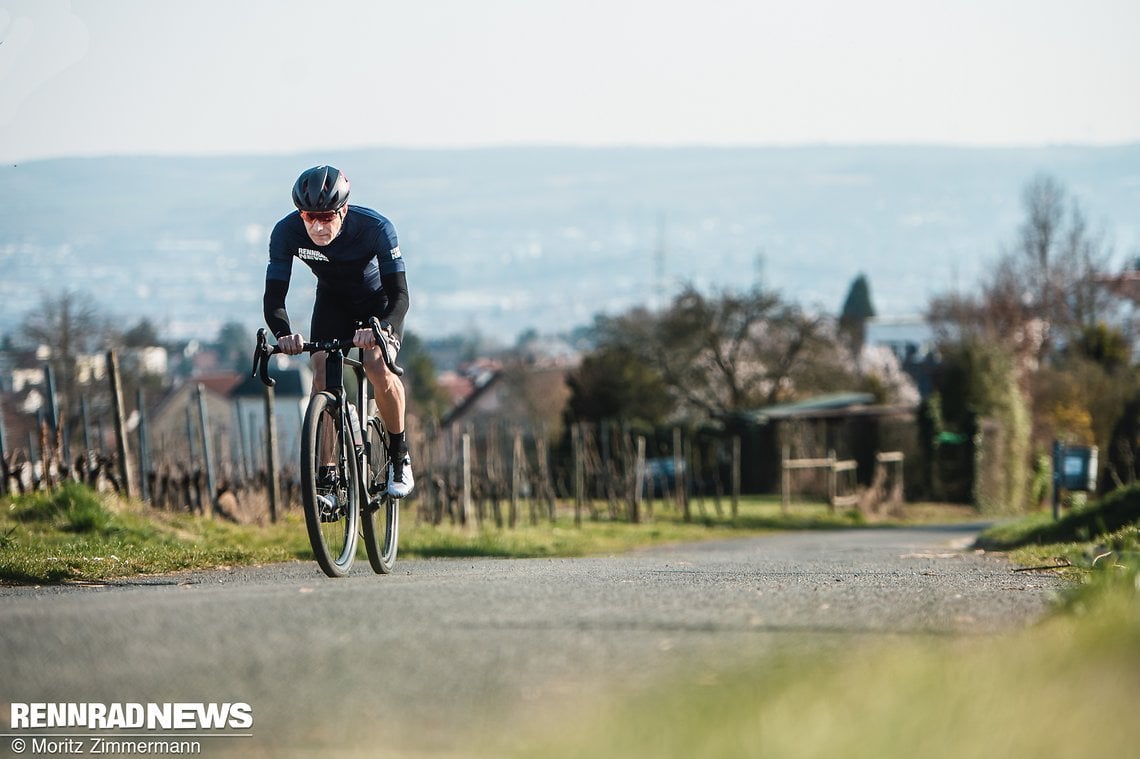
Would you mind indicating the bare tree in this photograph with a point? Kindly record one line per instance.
(1045, 290)
(734, 352)
(70, 326)
(1043, 301)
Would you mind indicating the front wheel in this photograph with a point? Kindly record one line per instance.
(381, 511)
(329, 488)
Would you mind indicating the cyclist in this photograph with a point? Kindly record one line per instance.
(356, 258)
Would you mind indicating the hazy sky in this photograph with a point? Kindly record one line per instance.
(96, 77)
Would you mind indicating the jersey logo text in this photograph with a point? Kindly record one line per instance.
(311, 255)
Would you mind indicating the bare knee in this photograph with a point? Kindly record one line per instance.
(378, 371)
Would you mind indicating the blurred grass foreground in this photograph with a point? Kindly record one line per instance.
(1065, 687)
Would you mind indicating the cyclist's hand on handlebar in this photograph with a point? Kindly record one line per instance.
(364, 339)
(291, 344)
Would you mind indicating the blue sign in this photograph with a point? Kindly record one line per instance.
(1075, 466)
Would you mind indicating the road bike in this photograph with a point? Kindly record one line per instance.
(344, 459)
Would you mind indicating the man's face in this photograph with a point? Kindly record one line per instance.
(323, 227)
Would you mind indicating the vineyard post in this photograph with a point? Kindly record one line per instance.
(144, 450)
(204, 418)
(120, 421)
(3, 458)
(735, 476)
(271, 452)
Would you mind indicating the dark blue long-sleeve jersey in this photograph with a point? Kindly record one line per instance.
(360, 261)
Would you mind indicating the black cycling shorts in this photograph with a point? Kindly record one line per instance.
(336, 317)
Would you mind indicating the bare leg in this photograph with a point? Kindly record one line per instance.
(388, 391)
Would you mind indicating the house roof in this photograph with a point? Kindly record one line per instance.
(221, 383)
(481, 385)
(833, 404)
(457, 386)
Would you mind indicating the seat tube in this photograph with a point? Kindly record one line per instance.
(334, 373)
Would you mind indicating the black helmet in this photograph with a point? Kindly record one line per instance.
(321, 188)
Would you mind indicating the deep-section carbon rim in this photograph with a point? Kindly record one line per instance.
(333, 538)
(381, 511)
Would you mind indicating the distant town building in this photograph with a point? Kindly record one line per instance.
(910, 339)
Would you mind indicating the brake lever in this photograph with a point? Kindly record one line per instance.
(261, 356)
(380, 332)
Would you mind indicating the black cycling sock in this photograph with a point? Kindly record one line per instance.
(397, 442)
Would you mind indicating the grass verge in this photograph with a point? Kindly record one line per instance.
(75, 534)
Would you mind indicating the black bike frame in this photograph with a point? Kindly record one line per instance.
(338, 356)
(336, 359)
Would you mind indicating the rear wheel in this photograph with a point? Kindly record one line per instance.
(381, 511)
(329, 486)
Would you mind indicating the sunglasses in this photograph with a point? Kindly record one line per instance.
(324, 217)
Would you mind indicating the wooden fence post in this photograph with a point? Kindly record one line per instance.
(468, 517)
(492, 473)
(52, 434)
(120, 421)
(52, 397)
(735, 475)
(579, 472)
(427, 510)
(679, 476)
(271, 453)
(241, 465)
(832, 480)
(45, 451)
(785, 478)
(32, 453)
(144, 450)
(88, 449)
(204, 418)
(4, 471)
(516, 476)
(638, 480)
(542, 454)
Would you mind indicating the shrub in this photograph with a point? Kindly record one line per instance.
(74, 507)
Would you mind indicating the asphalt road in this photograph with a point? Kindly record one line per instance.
(443, 653)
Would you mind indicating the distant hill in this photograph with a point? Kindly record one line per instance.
(504, 240)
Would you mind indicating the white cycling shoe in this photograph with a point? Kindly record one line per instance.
(400, 479)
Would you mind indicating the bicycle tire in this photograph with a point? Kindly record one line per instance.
(381, 513)
(331, 535)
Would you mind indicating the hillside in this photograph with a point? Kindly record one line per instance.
(502, 240)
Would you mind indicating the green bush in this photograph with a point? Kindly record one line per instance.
(73, 507)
